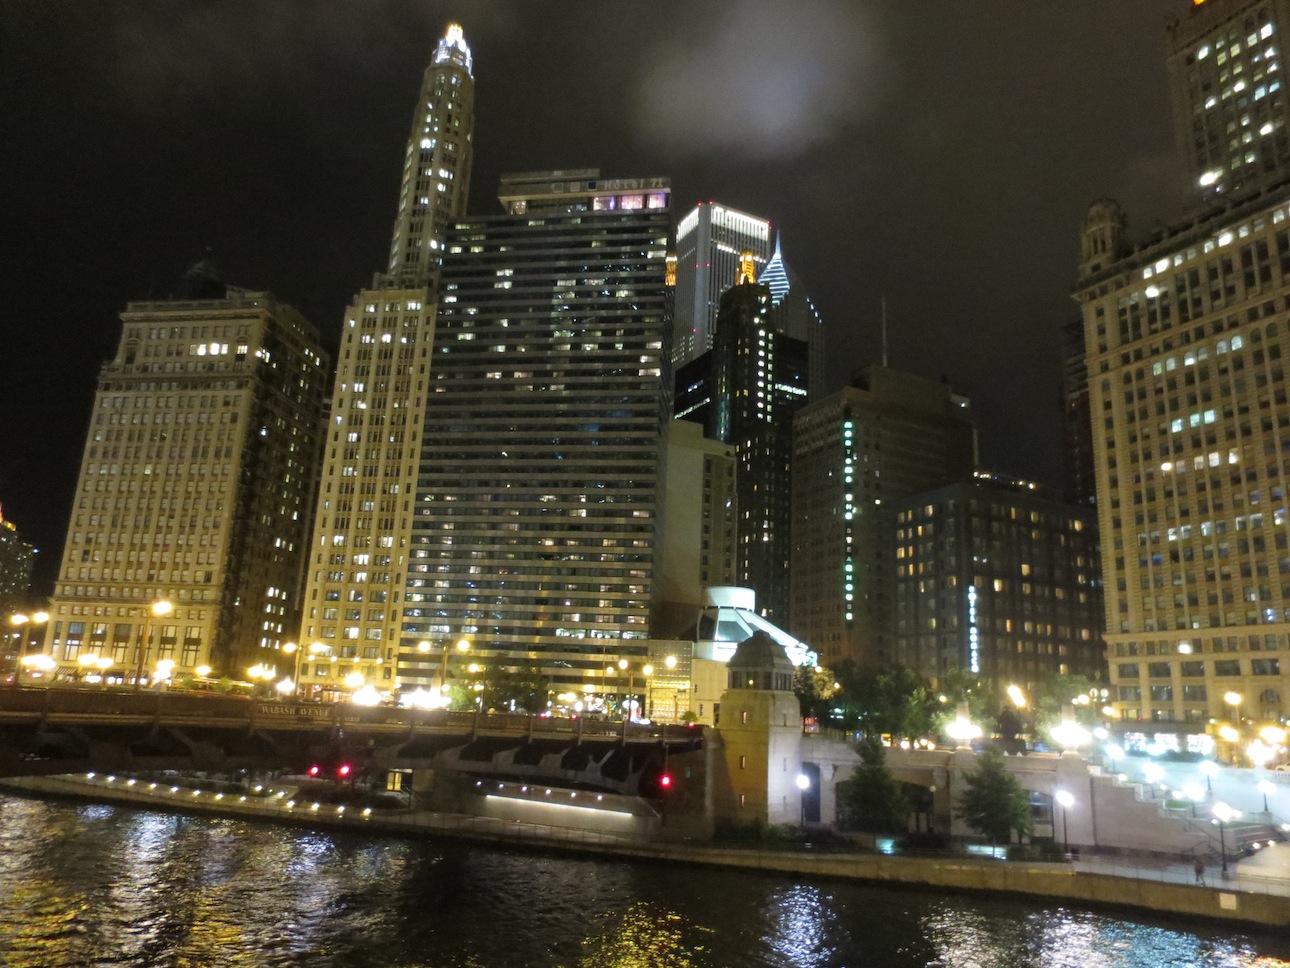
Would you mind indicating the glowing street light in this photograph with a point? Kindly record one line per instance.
(1223, 815)
(1259, 753)
(1209, 768)
(1017, 696)
(1067, 800)
(158, 609)
(1070, 734)
(1272, 735)
(962, 728)
(1264, 787)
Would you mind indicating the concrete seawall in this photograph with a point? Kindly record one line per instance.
(1229, 903)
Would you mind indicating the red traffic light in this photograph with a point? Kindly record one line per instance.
(665, 781)
(343, 770)
(315, 770)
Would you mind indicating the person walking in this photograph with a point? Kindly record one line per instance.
(1199, 867)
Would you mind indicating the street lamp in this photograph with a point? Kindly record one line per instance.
(803, 783)
(649, 692)
(260, 673)
(1264, 787)
(86, 660)
(103, 663)
(1070, 734)
(164, 669)
(1113, 753)
(1066, 799)
(1209, 768)
(1259, 753)
(962, 728)
(1223, 815)
(463, 646)
(20, 622)
(159, 609)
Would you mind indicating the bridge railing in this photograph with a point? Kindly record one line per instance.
(57, 702)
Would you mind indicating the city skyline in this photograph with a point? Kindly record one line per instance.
(272, 137)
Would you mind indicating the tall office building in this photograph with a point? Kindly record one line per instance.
(1229, 96)
(793, 313)
(710, 242)
(539, 498)
(855, 453)
(1185, 338)
(1186, 342)
(995, 579)
(746, 390)
(195, 486)
(363, 521)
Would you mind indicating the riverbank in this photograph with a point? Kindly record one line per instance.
(1163, 889)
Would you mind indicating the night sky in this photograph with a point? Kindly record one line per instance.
(938, 153)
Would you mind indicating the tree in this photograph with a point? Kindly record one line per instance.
(893, 701)
(994, 803)
(814, 686)
(872, 801)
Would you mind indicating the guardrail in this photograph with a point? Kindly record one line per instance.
(86, 706)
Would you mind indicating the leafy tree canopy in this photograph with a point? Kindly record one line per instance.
(994, 804)
(872, 801)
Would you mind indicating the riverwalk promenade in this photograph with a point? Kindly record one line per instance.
(1255, 890)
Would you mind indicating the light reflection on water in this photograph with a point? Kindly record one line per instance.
(111, 886)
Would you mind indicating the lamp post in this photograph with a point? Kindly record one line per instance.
(160, 609)
(463, 646)
(803, 784)
(1223, 814)
(103, 664)
(1066, 799)
(20, 621)
(1264, 787)
(1209, 768)
(649, 691)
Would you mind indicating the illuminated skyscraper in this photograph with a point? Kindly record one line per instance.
(363, 523)
(710, 240)
(17, 558)
(745, 391)
(539, 499)
(195, 486)
(1229, 90)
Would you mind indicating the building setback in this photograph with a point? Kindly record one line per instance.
(363, 521)
(194, 487)
(993, 579)
(539, 496)
(886, 436)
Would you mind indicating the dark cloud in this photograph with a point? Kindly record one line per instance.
(759, 79)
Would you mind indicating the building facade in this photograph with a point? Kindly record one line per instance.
(362, 528)
(996, 580)
(194, 488)
(539, 494)
(887, 435)
(751, 383)
(1228, 80)
(1186, 340)
(710, 241)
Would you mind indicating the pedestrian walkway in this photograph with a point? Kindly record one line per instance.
(1265, 872)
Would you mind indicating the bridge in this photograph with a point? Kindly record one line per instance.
(73, 730)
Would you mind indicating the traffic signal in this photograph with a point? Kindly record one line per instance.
(665, 780)
(315, 770)
(343, 771)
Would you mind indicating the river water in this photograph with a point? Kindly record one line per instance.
(109, 885)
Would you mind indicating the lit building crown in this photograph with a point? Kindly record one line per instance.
(453, 48)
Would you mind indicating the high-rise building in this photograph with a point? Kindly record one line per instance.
(17, 559)
(1185, 338)
(700, 542)
(887, 435)
(539, 498)
(995, 579)
(1229, 94)
(363, 521)
(746, 390)
(1186, 341)
(194, 488)
(1080, 485)
(710, 242)
(793, 313)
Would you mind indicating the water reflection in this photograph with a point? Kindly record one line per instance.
(129, 889)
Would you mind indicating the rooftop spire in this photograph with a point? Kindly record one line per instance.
(453, 48)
